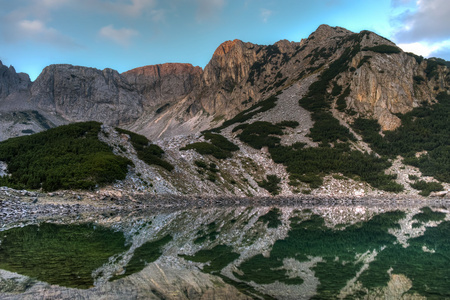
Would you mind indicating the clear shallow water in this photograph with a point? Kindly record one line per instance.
(321, 252)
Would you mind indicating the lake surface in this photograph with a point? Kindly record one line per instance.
(352, 251)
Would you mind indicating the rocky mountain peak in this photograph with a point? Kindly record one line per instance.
(12, 82)
(324, 32)
(225, 47)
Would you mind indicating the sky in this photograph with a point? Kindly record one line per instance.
(125, 34)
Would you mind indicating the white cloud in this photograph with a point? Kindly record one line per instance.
(208, 8)
(428, 22)
(265, 14)
(18, 28)
(158, 15)
(120, 36)
(52, 3)
(418, 48)
(30, 22)
(136, 8)
(425, 49)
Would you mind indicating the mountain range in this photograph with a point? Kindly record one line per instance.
(338, 87)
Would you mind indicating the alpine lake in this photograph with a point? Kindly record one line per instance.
(340, 250)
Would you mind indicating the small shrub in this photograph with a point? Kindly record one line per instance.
(27, 131)
(337, 89)
(418, 79)
(149, 153)
(213, 168)
(271, 184)
(247, 114)
(365, 59)
(138, 141)
(413, 177)
(205, 148)
(212, 177)
(341, 105)
(162, 108)
(200, 164)
(284, 124)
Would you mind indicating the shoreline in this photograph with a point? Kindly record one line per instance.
(20, 207)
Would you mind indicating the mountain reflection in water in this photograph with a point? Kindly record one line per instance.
(389, 250)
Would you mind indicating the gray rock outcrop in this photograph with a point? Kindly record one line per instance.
(81, 94)
(12, 82)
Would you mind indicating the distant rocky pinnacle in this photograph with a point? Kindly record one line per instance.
(11, 82)
(225, 47)
(170, 99)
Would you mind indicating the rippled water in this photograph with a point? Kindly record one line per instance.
(322, 252)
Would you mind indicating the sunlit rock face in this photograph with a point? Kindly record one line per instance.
(164, 84)
(375, 250)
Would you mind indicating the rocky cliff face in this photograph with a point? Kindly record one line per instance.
(163, 84)
(229, 66)
(79, 93)
(385, 84)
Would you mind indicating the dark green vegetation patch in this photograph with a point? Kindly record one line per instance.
(272, 218)
(209, 234)
(426, 188)
(428, 215)
(145, 254)
(219, 147)
(220, 142)
(151, 154)
(59, 254)
(336, 247)
(309, 165)
(326, 128)
(428, 271)
(247, 114)
(210, 170)
(66, 157)
(205, 148)
(423, 128)
(387, 49)
(433, 66)
(271, 184)
(216, 258)
(260, 133)
(262, 270)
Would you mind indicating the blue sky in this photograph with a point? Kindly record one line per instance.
(124, 34)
